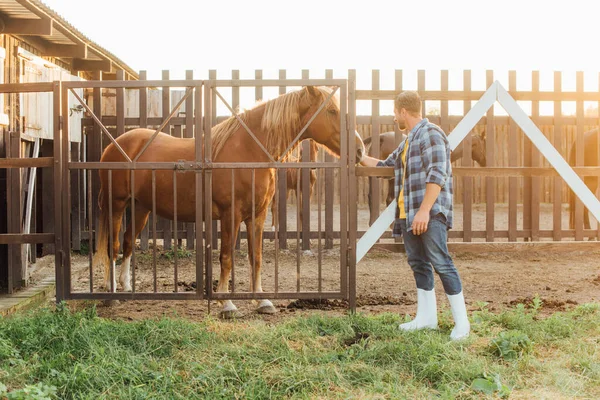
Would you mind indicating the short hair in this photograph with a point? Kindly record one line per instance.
(410, 101)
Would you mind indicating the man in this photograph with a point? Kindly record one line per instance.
(423, 189)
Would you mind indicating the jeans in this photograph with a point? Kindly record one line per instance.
(431, 249)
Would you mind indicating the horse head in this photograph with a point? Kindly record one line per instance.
(325, 129)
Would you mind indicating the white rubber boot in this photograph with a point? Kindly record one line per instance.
(462, 327)
(426, 312)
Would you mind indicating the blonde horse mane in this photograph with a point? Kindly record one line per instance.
(280, 122)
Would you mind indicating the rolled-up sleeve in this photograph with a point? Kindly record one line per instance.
(435, 158)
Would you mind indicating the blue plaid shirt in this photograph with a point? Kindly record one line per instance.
(428, 161)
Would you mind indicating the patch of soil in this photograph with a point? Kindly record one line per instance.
(385, 282)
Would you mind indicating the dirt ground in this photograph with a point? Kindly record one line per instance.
(384, 281)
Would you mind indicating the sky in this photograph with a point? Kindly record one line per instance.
(432, 35)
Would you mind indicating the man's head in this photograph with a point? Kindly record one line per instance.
(407, 107)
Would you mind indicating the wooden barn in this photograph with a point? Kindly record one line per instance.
(37, 45)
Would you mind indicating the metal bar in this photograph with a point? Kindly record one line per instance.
(319, 255)
(233, 232)
(154, 218)
(175, 241)
(245, 127)
(193, 296)
(208, 187)
(298, 219)
(114, 142)
(276, 224)
(199, 234)
(133, 229)
(111, 286)
(191, 165)
(90, 228)
(164, 123)
(305, 190)
(253, 244)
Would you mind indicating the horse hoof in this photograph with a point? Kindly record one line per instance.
(229, 314)
(267, 310)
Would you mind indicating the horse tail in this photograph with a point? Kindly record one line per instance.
(101, 258)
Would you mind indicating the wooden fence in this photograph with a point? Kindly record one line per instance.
(516, 177)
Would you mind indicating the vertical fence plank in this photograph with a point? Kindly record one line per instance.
(305, 174)
(490, 157)
(282, 189)
(120, 109)
(579, 152)
(235, 104)
(397, 135)
(466, 161)
(75, 200)
(558, 181)
(512, 162)
(329, 185)
(374, 183)
(166, 110)
(212, 74)
(535, 162)
(143, 112)
(189, 133)
(95, 151)
(598, 150)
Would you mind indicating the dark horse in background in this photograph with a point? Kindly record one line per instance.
(590, 159)
(387, 145)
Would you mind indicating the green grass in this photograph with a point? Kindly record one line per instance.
(63, 354)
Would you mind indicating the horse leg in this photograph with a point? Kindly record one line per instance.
(141, 217)
(228, 239)
(118, 208)
(255, 233)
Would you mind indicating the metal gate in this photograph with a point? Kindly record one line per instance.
(200, 104)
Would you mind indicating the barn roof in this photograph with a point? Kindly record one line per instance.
(35, 23)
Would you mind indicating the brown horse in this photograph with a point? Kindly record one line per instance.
(275, 124)
(590, 159)
(292, 177)
(387, 145)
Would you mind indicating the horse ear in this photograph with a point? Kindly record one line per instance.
(312, 91)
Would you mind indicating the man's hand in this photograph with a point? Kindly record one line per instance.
(420, 222)
(369, 161)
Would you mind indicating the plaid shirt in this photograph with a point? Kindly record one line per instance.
(428, 161)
